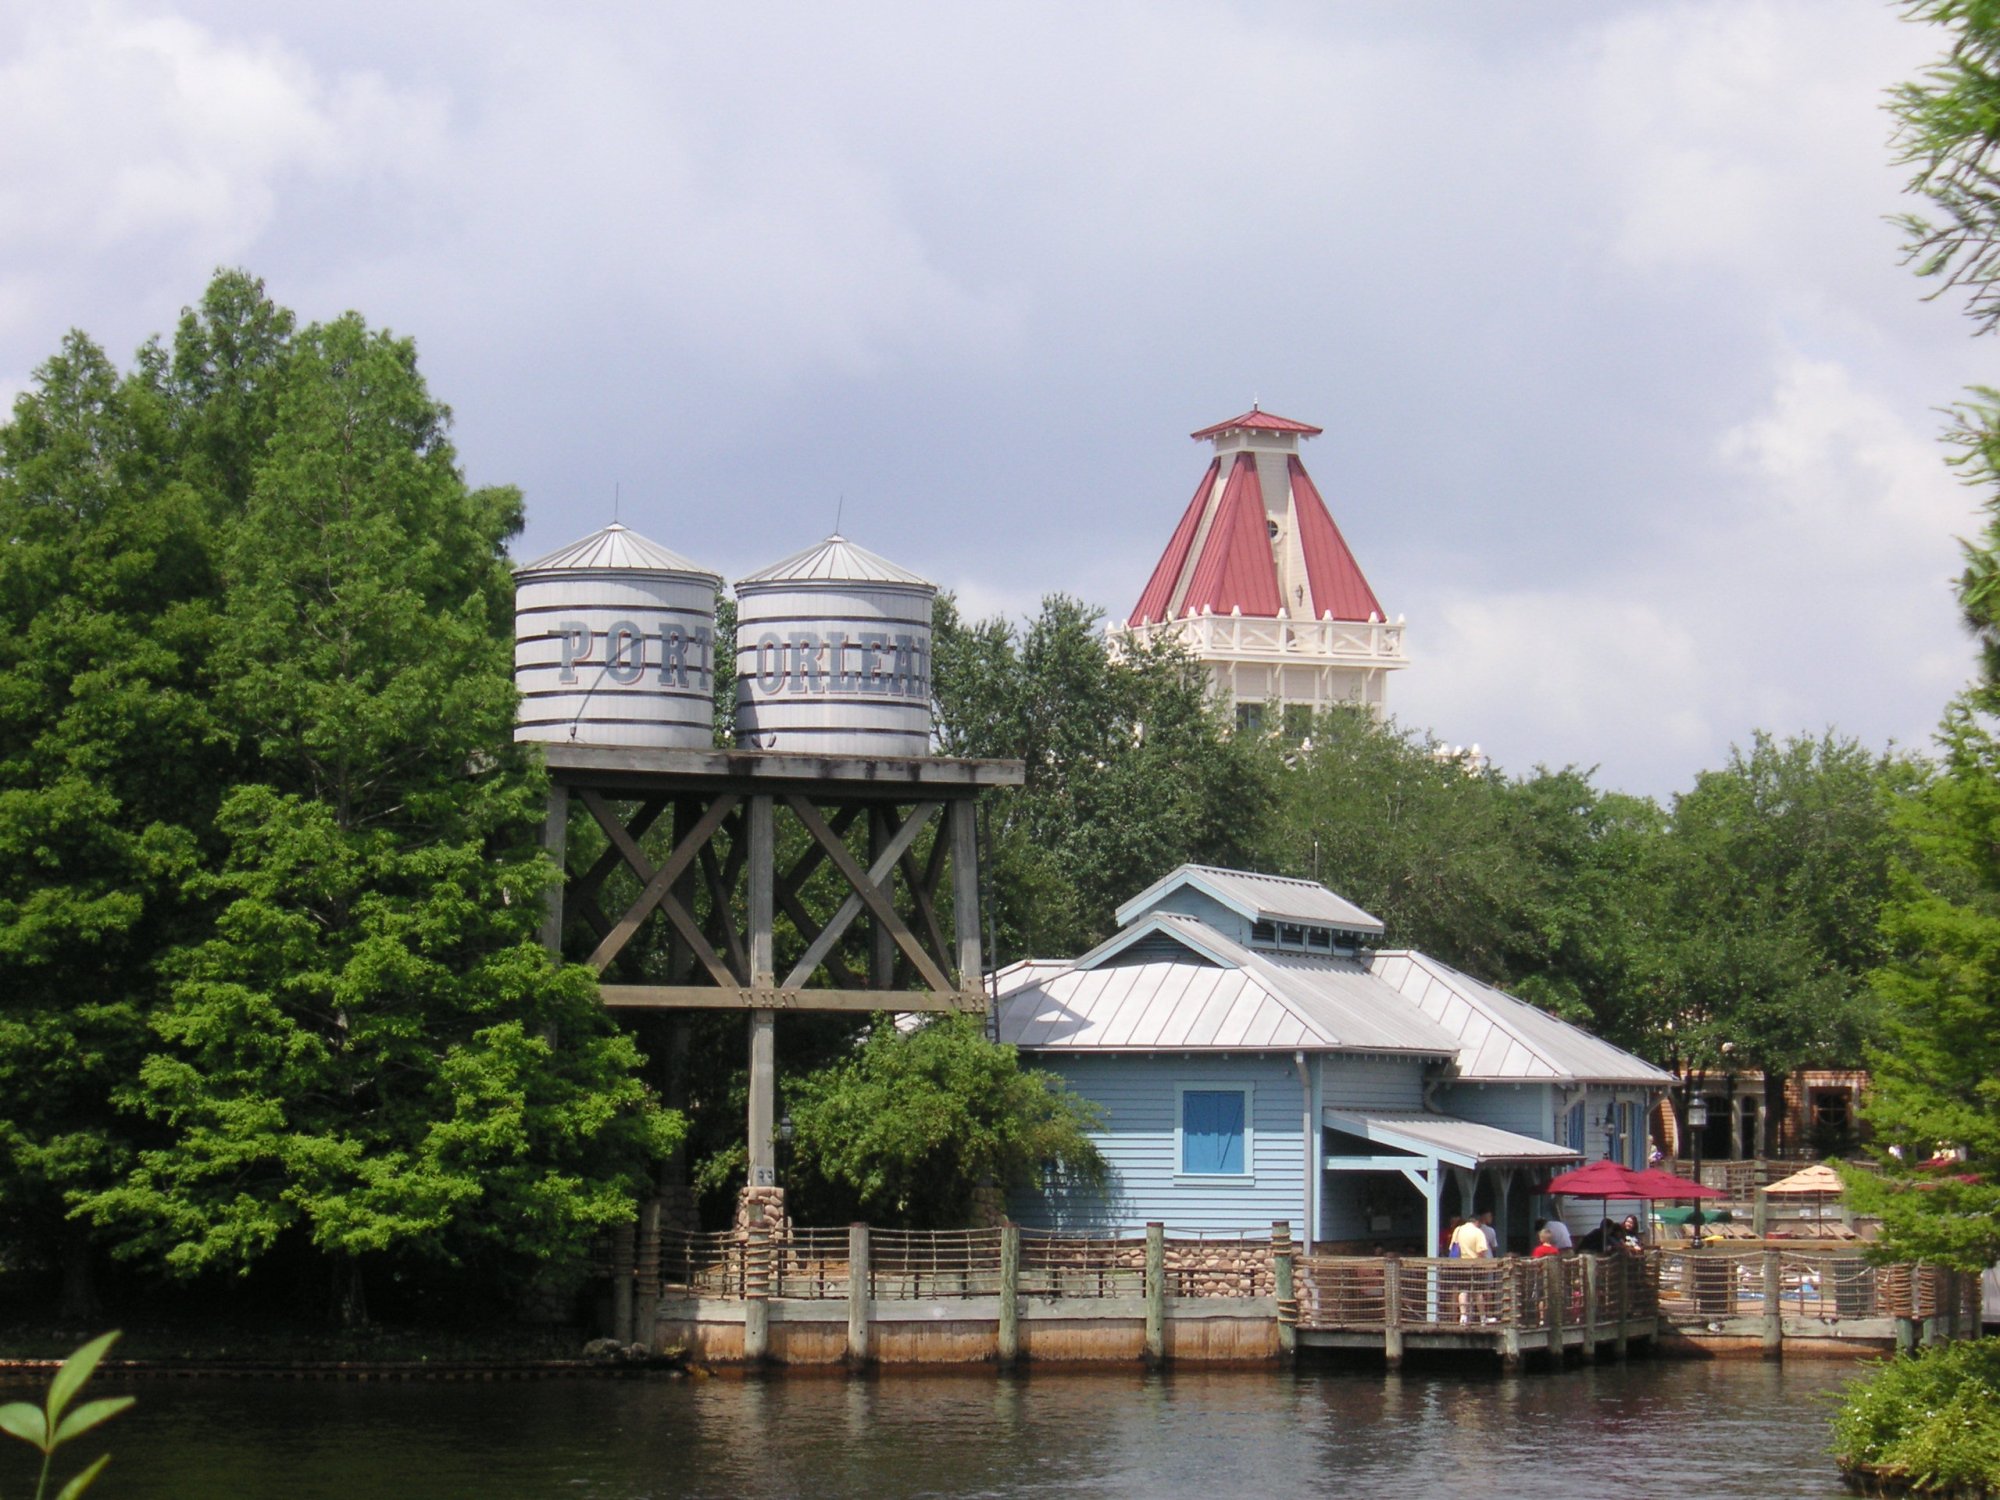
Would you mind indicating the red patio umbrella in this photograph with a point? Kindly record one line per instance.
(1664, 1184)
(1601, 1179)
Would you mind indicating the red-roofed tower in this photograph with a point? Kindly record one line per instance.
(1258, 583)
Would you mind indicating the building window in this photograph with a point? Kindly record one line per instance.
(1263, 932)
(1212, 1137)
(1250, 718)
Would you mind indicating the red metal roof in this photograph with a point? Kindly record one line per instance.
(1236, 569)
(1331, 571)
(1158, 597)
(1259, 421)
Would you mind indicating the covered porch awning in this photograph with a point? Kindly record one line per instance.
(1423, 1147)
(1445, 1139)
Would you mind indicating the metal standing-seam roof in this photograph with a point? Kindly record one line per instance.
(1339, 588)
(615, 549)
(1503, 1038)
(1258, 420)
(1219, 996)
(836, 560)
(1236, 568)
(1261, 898)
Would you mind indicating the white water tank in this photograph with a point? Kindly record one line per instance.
(833, 655)
(614, 644)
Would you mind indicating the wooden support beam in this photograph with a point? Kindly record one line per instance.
(965, 894)
(881, 944)
(555, 844)
(923, 884)
(674, 897)
(865, 889)
(762, 1145)
(641, 823)
(656, 889)
(712, 997)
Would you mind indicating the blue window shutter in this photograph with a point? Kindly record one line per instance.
(1212, 1131)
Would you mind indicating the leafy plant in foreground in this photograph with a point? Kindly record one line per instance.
(1932, 1421)
(47, 1427)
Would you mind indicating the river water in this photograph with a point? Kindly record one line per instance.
(1713, 1430)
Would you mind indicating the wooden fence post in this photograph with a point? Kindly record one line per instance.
(1555, 1287)
(1621, 1303)
(1284, 1287)
(1392, 1312)
(860, 1304)
(1514, 1296)
(1010, 1294)
(1156, 1293)
(1590, 1273)
(1774, 1304)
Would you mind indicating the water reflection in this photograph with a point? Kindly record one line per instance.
(1719, 1430)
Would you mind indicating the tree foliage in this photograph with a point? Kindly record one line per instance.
(1130, 768)
(1933, 1088)
(1780, 866)
(1935, 1079)
(905, 1129)
(268, 876)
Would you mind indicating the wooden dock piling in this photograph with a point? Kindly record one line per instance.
(1009, 1347)
(1156, 1293)
(859, 1277)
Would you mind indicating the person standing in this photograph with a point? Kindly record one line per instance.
(1469, 1243)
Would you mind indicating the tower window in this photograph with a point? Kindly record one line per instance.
(1274, 529)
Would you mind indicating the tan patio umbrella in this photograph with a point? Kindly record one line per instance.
(1817, 1178)
(1816, 1181)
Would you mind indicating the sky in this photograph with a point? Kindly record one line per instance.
(1630, 407)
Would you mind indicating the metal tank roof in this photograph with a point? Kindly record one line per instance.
(836, 560)
(615, 549)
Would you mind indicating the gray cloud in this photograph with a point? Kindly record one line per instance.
(1628, 406)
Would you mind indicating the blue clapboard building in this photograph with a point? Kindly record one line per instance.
(1257, 1056)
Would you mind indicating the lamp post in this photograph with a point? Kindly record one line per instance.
(1697, 1112)
(785, 1131)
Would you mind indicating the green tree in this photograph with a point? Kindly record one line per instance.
(1933, 1084)
(1779, 870)
(110, 757)
(905, 1129)
(1935, 1078)
(1130, 769)
(1416, 838)
(369, 1052)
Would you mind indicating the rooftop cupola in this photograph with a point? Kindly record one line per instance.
(1258, 582)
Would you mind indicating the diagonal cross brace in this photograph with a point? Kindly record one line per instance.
(659, 886)
(867, 890)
